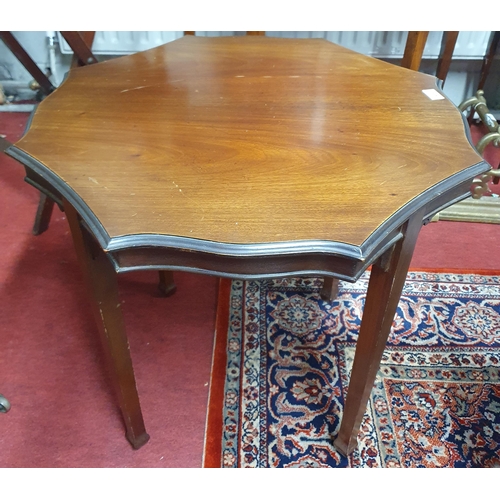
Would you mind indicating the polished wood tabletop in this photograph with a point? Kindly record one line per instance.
(249, 157)
(248, 140)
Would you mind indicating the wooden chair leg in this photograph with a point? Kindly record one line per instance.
(88, 40)
(77, 41)
(491, 51)
(414, 49)
(447, 47)
(330, 289)
(24, 58)
(43, 214)
(488, 58)
(101, 281)
(384, 291)
(167, 285)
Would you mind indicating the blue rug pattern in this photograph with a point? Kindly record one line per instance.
(436, 399)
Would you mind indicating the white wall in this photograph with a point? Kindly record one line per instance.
(388, 45)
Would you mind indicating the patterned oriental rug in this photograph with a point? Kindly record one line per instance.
(281, 370)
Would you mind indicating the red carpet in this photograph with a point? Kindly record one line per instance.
(63, 411)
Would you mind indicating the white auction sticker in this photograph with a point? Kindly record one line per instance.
(433, 94)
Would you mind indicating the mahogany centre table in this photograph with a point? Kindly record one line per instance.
(249, 157)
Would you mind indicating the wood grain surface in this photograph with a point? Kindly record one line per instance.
(248, 140)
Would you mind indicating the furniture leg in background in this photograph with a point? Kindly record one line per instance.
(414, 49)
(447, 48)
(43, 214)
(330, 289)
(167, 285)
(493, 43)
(488, 58)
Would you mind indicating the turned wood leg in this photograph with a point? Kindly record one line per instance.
(330, 289)
(101, 281)
(167, 285)
(387, 278)
(43, 214)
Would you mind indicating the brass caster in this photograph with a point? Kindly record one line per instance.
(4, 404)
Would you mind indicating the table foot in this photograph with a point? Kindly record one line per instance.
(387, 278)
(344, 447)
(139, 441)
(100, 277)
(167, 285)
(330, 289)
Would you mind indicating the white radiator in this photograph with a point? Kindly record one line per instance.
(383, 44)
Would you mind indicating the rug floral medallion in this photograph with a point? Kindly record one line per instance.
(436, 399)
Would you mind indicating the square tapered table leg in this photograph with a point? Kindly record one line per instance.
(387, 279)
(100, 277)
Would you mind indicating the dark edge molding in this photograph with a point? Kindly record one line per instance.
(242, 276)
(234, 249)
(366, 251)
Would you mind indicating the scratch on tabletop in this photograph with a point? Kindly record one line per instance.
(188, 197)
(135, 88)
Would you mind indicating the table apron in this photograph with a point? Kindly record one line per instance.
(247, 267)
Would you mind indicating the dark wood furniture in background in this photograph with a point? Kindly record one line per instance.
(414, 51)
(248, 157)
(488, 58)
(447, 48)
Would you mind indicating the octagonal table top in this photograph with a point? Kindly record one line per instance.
(247, 141)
